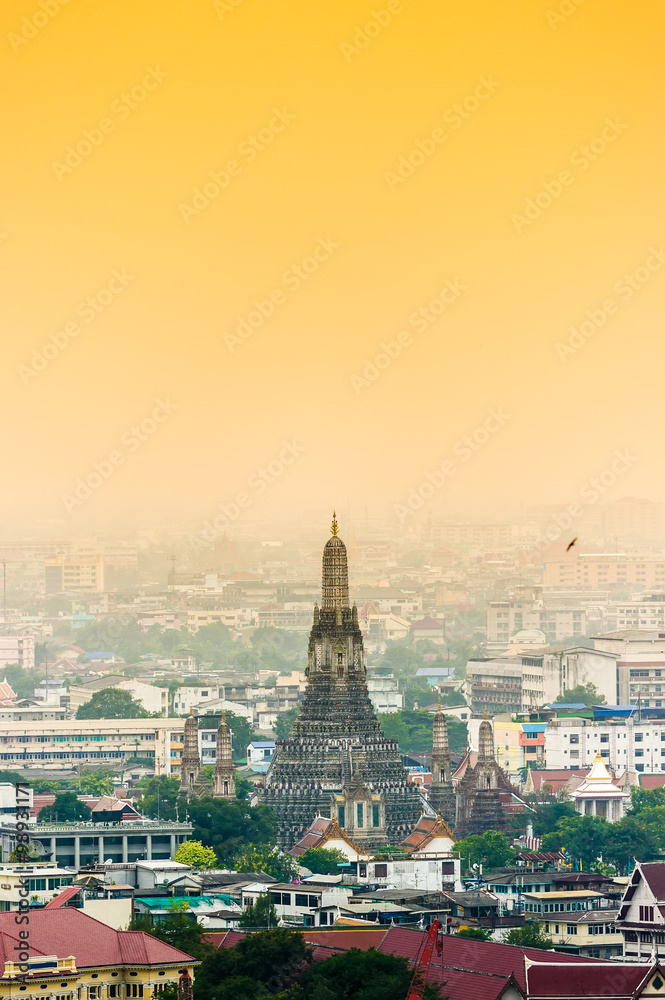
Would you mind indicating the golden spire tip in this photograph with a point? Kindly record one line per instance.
(334, 527)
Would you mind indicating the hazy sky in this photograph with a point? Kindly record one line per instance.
(502, 161)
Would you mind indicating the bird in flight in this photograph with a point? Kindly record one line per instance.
(570, 544)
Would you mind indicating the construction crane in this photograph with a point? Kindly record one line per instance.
(433, 940)
(185, 985)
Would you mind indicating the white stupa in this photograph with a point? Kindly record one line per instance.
(599, 796)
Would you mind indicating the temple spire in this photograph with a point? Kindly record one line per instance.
(335, 584)
(334, 527)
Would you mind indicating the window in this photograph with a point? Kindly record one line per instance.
(375, 816)
(134, 990)
(380, 871)
(281, 898)
(596, 928)
(340, 816)
(113, 990)
(574, 739)
(313, 901)
(571, 928)
(94, 992)
(359, 808)
(301, 899)
(646, 914)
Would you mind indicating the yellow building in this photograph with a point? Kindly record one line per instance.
(67, 955)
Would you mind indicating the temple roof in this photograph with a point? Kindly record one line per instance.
(426, 830)
(598, 784)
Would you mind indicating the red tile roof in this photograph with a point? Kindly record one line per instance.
(595, 979)
(68, 931)
(654, 875)
(351, 938)
(63, 897)
(651, 781)
(483, 970)
(426, 830)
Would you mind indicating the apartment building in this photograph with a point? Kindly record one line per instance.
(523, 682)
(505, 618)
(75, 742)
(74, 574)
(598, 570)
(624, 744)
(17, 649)
(483, 537)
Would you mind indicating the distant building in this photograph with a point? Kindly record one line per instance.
(428, 628)
(74, 574)
(17, 649)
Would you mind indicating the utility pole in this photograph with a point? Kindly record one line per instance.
(4, 591)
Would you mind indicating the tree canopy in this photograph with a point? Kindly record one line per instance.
(322, 860)
(67, 808)
(582, 695)
(413, 730)
(192, 852)
(230, 825)
(531, 934)
(490, 849)
(264, 858)
(112, 703)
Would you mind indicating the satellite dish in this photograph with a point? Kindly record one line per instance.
(109, 861)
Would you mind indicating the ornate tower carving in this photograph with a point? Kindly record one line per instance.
(337, 760)
(442, 797)
(224, 781)
(192, 782)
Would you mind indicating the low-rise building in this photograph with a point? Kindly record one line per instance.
(623, 744)
(641, 918)
(72, 955)
(593, 933)
(90, 843)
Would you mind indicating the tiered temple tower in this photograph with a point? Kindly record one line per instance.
(224, 780)
(442, 796)
(484, 792)
(337, 760)
(192, 781)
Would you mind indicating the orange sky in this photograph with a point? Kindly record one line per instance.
(565, 110)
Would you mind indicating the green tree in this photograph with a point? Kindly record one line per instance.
(159, 797)
(267, 962)
(244, 787)
(645, 798)
(413, 730)
(583, 837)
(263, 858)
(582, 695)
(285, 722)
(362, 975)
(97, 782)
(193, 852)
(67, 808)
(531, 934)
(22, 682)
(547, 815)
(491, 849)
(475, 933)
(229, 825)
(260, 914)
(112, 703)
(322, 860)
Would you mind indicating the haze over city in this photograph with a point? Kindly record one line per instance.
(119, 291)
